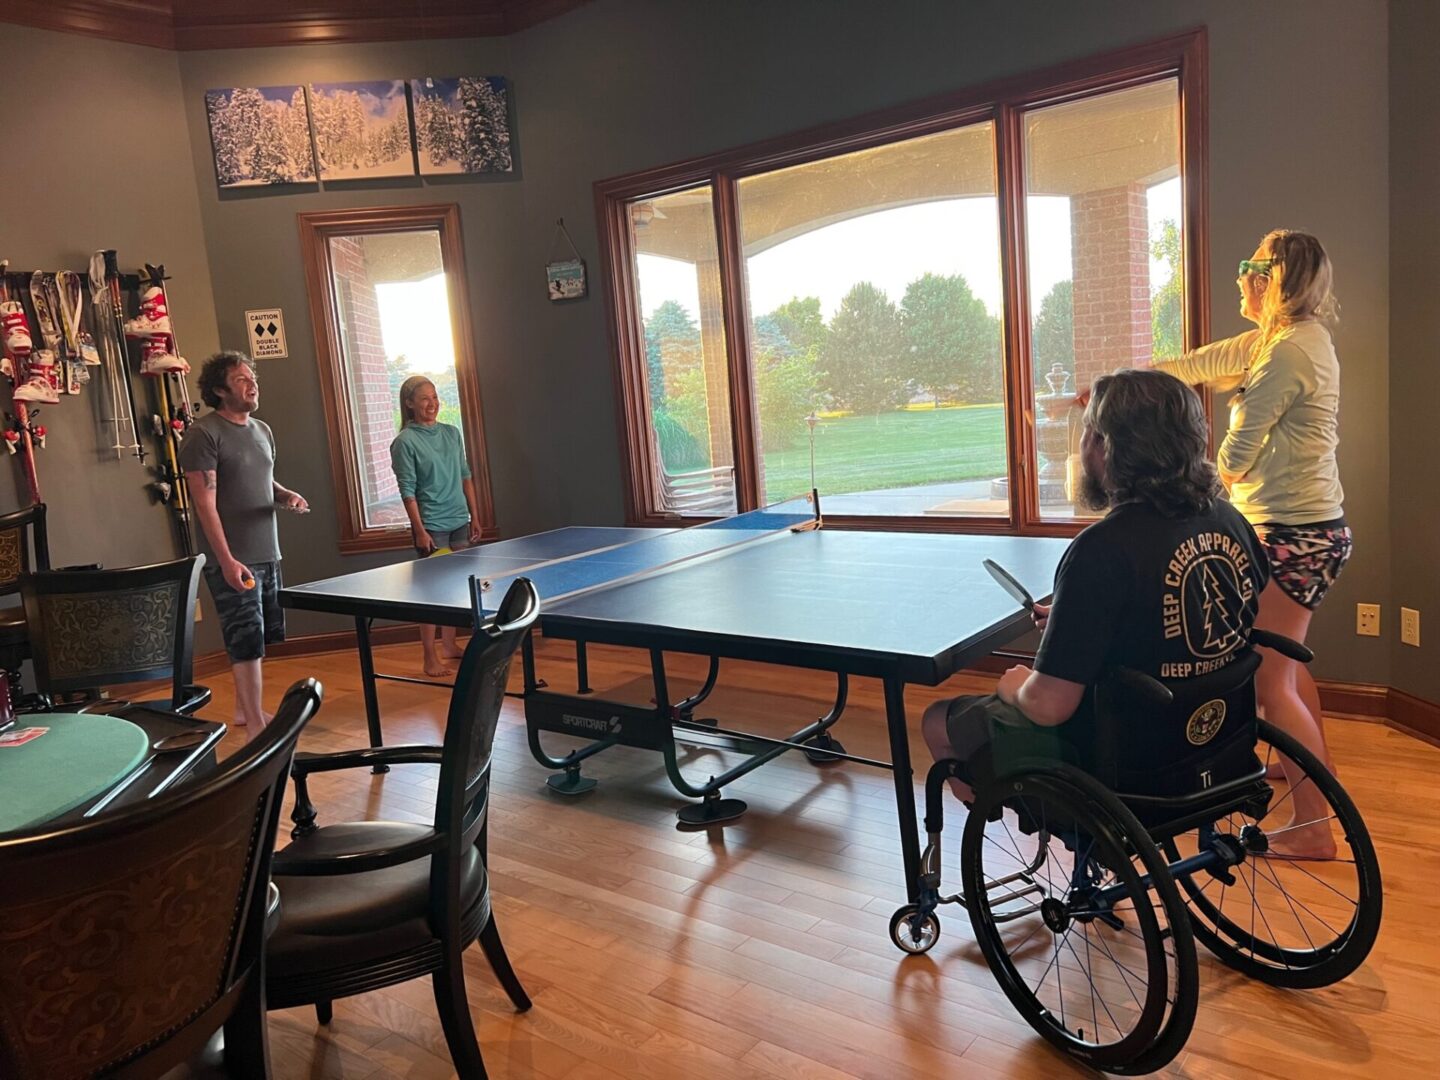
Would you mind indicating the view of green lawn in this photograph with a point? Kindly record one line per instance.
(904, 448)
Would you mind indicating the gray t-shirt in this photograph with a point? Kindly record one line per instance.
(243, 459)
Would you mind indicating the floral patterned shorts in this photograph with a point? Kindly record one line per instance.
(1305, 560)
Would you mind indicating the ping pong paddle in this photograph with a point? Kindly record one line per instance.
(1007, 582)
(440, 551)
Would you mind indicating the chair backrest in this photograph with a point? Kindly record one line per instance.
(21, 533)
(698, 492)
(127, 940)
(1203, 739)
(93, 628)
(461, 800)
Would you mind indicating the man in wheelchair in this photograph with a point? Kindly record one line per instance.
(1167, 584)
(1120, 807)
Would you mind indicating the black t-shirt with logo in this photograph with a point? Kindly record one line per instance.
(1174, 598)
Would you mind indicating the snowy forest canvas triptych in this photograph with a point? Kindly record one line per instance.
(361, 130)
(461, 125)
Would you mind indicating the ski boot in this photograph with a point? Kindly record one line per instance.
(41, 382)
(159, 358)
(15, 330)
(154, 317)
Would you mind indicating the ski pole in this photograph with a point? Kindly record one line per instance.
(117, 314)
(113, 355)
(170, 417)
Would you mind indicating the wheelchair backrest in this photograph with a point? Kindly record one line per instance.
(1204, 738)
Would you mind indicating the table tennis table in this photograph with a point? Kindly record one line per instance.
(769, 586)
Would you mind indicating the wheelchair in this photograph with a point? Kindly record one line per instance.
(1088, 882)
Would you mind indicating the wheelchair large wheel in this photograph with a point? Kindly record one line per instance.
(1079, 919)
(1291, 923)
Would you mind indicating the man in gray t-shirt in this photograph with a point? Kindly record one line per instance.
(228, 458)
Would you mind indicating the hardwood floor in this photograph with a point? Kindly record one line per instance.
(761, 949)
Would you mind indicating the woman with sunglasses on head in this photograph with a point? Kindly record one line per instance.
(1278, 461)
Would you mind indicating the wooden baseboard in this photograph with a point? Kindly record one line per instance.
(1366, 700)
(1414, 716)
(215, 663)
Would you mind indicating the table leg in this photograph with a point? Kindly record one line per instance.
(367, 684)
(904, 783)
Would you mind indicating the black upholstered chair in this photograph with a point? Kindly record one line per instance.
(129, 939)
(374, 903)
(23, 550)
(95, 628)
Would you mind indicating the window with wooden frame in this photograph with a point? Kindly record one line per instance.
(900, 310)
(388, 299)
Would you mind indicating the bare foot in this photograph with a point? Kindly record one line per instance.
(1313, 841)
(436, 670)
(452, 652)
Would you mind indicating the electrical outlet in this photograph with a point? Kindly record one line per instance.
(1367, 620)
(1410, 626)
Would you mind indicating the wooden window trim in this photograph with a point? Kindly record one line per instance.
(316, 229)
(1181, 56)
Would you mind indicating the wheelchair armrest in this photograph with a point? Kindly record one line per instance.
(307, 763)
(356, 862)
(1148, 689)
(1285, 646)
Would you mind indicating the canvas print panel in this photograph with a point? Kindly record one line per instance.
(362, 129)
(260, 135)
(462, 125)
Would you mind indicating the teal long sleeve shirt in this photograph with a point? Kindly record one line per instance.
(430, 467)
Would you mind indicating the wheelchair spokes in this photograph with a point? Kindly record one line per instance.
(1288, 921)
(1083, 928)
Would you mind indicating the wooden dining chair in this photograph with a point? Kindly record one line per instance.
(24, 548)
(128, 940)
(370, 904)
(90, 629)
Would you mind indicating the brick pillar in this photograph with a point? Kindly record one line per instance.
(365, 360)
(716, 364)
(1110, 252)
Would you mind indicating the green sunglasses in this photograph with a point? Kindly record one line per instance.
(1256, 266)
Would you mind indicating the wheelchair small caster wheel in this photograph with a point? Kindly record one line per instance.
(909, 938)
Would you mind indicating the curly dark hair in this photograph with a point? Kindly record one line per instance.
(215, 371)
(1156, 440)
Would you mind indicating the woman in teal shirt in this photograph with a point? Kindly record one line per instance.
(434, 480)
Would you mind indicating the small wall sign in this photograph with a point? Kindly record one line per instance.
(267, 334)
(566, 279)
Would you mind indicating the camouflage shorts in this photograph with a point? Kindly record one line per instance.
(252, 618)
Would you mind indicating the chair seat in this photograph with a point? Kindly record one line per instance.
(341, 921)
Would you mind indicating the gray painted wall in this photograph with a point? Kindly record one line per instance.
(1298, 136)
(100, 158)
(1415, 339)
(254, 247)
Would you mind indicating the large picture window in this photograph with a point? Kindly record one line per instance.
(388, 300)
(899, 311)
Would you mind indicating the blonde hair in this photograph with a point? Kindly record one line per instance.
(408, 389)
(1300, 282)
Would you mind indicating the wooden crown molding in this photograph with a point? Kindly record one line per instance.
(246, 24)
